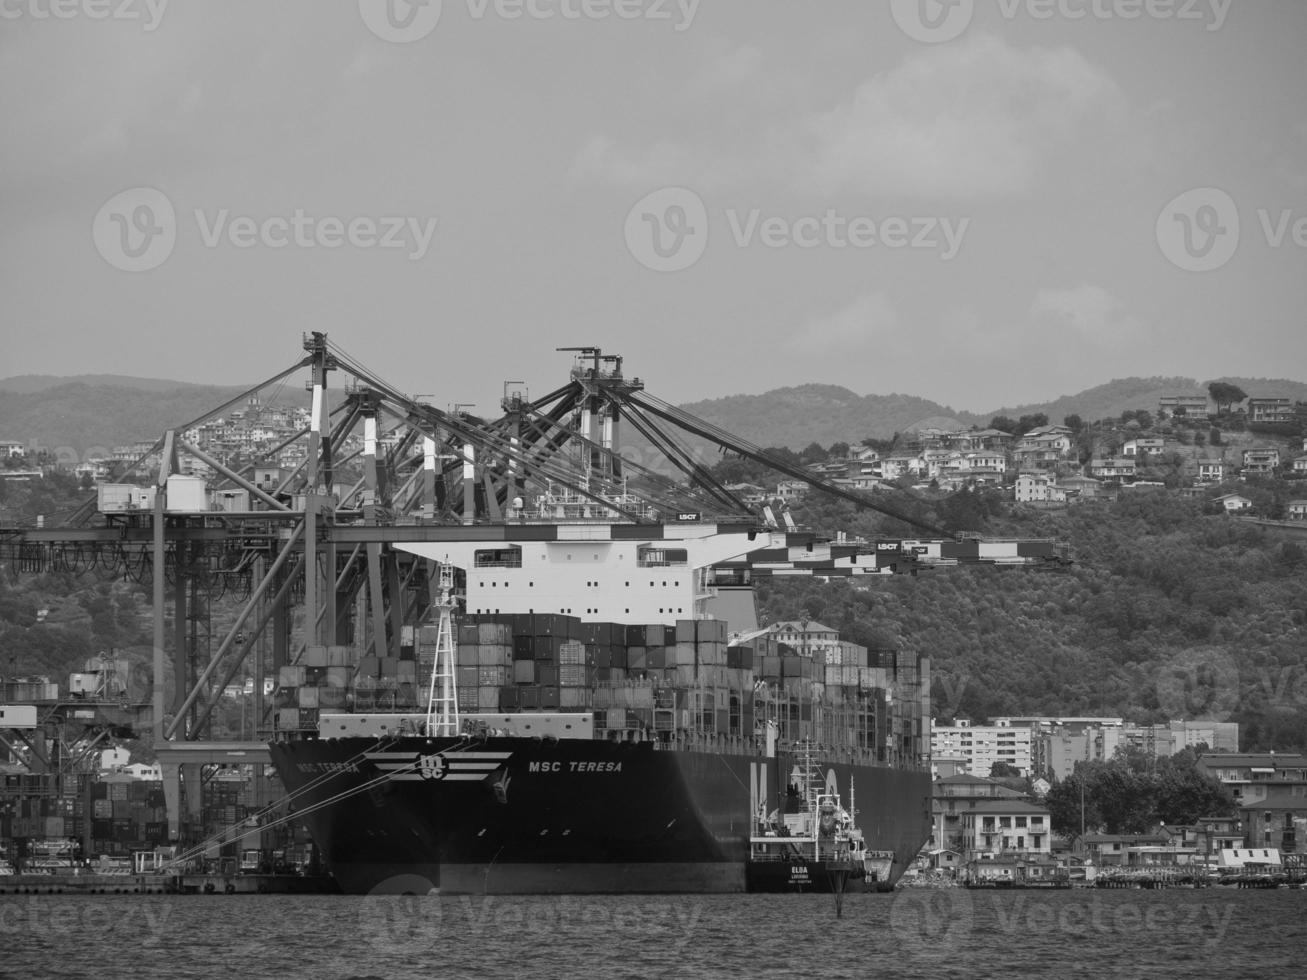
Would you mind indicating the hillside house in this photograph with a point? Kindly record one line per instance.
(1043, 447)
(1299, 467)
(974, 467)
(1260, 460)
(973, 440)
(807, 637)
(1038, 488)
(863, 454)
(10, 448)
(1270, 410)
(1212, 470)
(1080, 487)
(1143, 447)
(1296, 510)
(1184, 406)
(94, 469)
(894, 467)
(996, 439)
(1118, 468)
(790, 490)
(750, 493)
(1234, 502)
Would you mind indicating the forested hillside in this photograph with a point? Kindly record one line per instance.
(1166, 613)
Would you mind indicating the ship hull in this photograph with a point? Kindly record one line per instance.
(511, 815)
(805, 875)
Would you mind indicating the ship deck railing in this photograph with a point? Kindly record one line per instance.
(684, 740)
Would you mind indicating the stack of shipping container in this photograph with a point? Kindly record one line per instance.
(115, 815)
(685, 678)
(322, 680)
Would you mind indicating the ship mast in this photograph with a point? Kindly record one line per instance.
(442, 711)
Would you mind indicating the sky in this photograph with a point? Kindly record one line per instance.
(982, 202)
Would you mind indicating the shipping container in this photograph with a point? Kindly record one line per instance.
(332, 697)
(494, 634)
(574, 697)
(314, 656)
(710, 630)
(492, 654)
(524, 671)
(571, 652)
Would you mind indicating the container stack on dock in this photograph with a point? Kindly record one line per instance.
(88, 815)
(130, 814)
(38, 806)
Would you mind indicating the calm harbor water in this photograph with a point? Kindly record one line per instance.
(916, 933)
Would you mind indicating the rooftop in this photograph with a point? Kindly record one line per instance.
(1009, 806)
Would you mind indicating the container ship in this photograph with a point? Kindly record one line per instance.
(566, 752)
(597, 708)
(589, 705)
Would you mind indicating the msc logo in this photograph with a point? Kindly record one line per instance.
(450, 766)
(432, 766)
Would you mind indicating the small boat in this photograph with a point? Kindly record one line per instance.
(810, 842)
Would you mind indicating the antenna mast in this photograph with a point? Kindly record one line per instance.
(442, 710)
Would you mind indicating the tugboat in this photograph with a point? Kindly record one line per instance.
(810, 842)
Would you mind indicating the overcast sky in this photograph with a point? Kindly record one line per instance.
(985, 202)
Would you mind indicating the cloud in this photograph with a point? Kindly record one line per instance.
(663, 162)
(979, 118)
(870, 317)
(1087, 311)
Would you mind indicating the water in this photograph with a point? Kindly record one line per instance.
(917, 933)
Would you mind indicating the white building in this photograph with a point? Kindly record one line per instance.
(982, 745)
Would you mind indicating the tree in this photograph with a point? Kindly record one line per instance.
(1073, 422)
(1225, 394)
(839, 450)
(1003, 424)
(813, 453)
(1028, 422)
(1000, 769)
